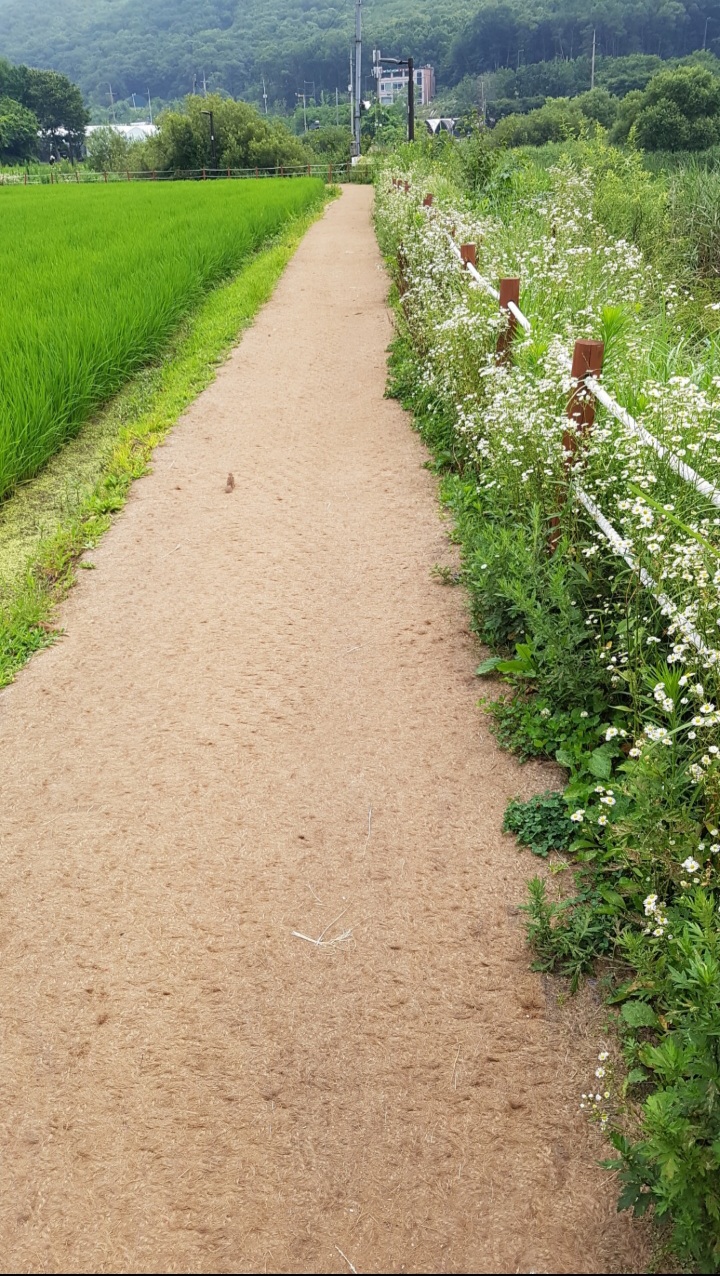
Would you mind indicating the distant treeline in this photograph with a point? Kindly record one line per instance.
(173, 47)
(37, 109)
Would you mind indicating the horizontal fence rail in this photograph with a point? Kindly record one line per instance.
(80, 176)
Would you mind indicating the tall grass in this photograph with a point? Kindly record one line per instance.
(93, 282)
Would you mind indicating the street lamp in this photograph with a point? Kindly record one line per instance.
(212, 138)
(410, 64)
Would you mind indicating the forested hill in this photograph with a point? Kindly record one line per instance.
(163, 45)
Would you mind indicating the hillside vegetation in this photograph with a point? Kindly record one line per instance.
(137, 45)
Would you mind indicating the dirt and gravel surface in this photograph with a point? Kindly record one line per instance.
(262, 725)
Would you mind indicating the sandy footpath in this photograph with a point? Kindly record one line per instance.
(263, 720)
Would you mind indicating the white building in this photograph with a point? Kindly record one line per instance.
(138, 132)
(393, 80)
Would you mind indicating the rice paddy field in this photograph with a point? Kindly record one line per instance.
(95, 280)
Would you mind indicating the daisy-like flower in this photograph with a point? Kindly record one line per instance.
(578, 816)
(690, 865)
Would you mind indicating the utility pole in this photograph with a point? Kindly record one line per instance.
(204, 85)
(212, 139)
(150, 105)
(337, 109)
(112, 105)
(351, 91)
(302, 95)
(358, 76)
(264, 94)
(592, 71)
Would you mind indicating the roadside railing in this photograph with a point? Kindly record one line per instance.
(328, 172)
(585, 367)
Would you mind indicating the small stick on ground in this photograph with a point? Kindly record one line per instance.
(454, 1071)
(321, 941)
(347, 1260)
(367, 839)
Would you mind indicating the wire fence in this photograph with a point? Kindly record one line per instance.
(330, 172)
(585, 367)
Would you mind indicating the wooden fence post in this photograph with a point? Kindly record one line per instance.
(468, 253)
(329, 172)
(127, 173)
(104, 175)
(587, 362)
(509, 292)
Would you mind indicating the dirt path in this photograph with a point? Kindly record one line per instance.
(262, 720)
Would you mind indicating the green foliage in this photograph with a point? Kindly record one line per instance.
(542, 823)
(109, 151)
(291, 43)
(18, 131)
(556, 121)
(680, 111)
(675, 1165)
(694, 204)
(567, 936)
(55, 102)
(244, 137)
(125, 264)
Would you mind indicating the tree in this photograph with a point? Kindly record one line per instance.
(244, 138)
(107, 150)
(57, 103)
(18, 132)
(680, 111)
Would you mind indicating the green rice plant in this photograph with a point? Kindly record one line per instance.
(95, 279)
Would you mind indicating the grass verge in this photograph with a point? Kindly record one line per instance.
(42, 537)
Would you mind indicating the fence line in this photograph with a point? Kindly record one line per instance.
(621, 414)
(620, 548)
(590, 383)
(87, 176)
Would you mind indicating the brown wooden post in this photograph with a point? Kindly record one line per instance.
(509, 291)
(105, 176)
(25, 180)
(127, 173)
(77, 176)
(468, 253)
(407, 188)
(587, 362)
(204, 175)
(154, 176)
(329, 172)
(428, 201)
(282, 171)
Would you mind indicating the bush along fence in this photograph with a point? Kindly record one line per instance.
(79, 176)
(578, 441)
